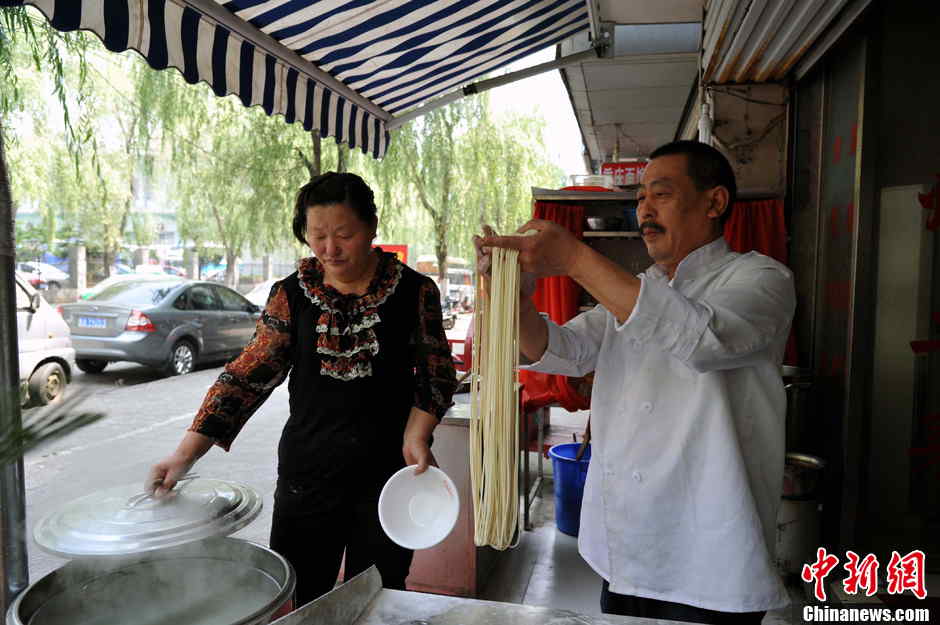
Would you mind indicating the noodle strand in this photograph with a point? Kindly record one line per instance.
(494, 423)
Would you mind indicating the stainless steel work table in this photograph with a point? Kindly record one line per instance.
(363, 601)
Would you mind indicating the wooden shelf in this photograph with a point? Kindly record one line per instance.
(576, 196)
(612, 234)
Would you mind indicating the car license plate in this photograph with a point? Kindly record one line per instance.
(92, 322)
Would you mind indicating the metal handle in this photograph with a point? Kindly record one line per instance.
(140, 498)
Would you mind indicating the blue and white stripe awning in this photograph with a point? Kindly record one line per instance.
(344, 67)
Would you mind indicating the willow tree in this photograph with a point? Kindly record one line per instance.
(235, 173)
(429, 151)
(461, 166)
(30, 49)
(505, 155)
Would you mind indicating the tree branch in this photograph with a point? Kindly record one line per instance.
(306, 162)
(422, 193)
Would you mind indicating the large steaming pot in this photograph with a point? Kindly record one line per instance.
(217, 581)
(142, 561)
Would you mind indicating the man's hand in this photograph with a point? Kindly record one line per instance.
(533, 332)
(551, 251)
(527, 281)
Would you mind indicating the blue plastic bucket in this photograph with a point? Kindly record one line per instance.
(569, 475)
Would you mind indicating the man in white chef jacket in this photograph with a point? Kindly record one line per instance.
(687, 409)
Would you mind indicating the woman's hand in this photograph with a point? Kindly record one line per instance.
(416, 451)
(414, 446)
(164, 475)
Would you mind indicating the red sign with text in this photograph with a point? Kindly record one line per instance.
(625, 173)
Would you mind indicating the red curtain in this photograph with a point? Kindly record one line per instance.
(557, 296)
(759, 225)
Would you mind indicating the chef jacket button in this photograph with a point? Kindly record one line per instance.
(646, 407)
(637, 476)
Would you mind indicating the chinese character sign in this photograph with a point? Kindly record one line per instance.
(903, 573)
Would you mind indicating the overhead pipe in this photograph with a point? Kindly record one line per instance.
(718, 19)
(846, 19)
(785, 38)
(596, 51)
(771, 20)
(808, 38)
(731, 29)
(741, 37)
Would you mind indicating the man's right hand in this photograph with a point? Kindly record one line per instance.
(527, 281)
(533, 331)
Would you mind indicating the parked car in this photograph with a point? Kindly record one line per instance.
(123, 277)
(150, 268)
(173, 271)
(171, 324)
(259, 294)
(43, 275)
(46, 356)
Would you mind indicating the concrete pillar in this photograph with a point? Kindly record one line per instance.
(191, 263)
(78, 267)
(267, 265)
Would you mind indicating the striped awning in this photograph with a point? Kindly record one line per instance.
(342, 67)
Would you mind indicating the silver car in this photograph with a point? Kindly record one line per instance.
(46, 355)
(170, 324)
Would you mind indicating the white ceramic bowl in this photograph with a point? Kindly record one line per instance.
(418, 511)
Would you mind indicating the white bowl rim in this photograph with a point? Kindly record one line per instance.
(382, 497)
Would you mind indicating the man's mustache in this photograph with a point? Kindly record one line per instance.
(651, 225)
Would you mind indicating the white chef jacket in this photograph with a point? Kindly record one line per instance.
(688, 429)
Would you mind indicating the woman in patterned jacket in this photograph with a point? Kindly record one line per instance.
(371, 374)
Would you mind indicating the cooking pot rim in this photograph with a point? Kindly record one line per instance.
(285, 588)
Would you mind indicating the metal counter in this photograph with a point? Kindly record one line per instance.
(362, 601)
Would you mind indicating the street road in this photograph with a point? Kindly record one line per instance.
(146, 415)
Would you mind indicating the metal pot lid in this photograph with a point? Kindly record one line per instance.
(124, 520)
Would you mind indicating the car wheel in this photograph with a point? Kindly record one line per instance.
(47, 383)
(182, 358)
(91, 366)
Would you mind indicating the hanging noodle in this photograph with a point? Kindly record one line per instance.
(494, 424)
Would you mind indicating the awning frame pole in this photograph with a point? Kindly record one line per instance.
(267, 43)
(13, 564)
(485, 85)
